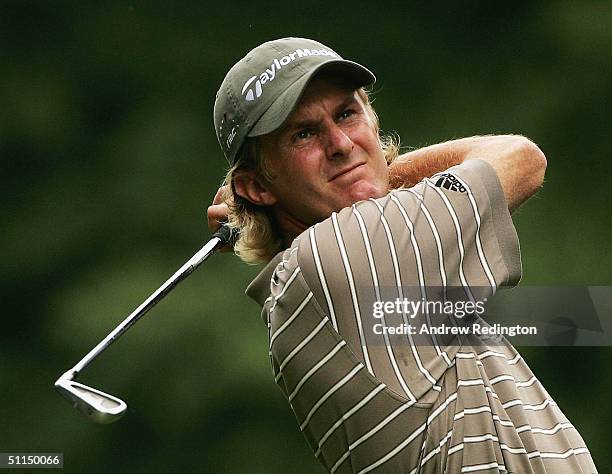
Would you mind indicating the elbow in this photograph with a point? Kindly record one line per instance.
(533, 165)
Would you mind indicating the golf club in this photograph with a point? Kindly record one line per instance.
(102, 407)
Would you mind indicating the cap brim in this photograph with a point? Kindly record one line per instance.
(282, 107)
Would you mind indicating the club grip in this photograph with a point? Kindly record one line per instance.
(226, 234)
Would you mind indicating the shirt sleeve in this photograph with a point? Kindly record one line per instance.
(474, 223)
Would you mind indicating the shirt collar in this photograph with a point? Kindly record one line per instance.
(259, 288)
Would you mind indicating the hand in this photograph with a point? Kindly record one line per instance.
(217, 213)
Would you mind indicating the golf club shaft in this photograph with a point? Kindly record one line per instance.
(220, 238)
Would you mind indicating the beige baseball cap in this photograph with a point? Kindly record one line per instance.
(260, 91)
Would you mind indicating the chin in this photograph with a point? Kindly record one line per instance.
(362, 190)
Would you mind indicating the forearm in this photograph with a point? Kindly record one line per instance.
(518, 163)
(410, 168)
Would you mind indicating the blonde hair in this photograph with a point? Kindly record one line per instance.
(259, 235)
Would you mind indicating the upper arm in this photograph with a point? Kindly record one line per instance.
(476, 232)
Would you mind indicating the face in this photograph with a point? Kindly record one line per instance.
(325, 157)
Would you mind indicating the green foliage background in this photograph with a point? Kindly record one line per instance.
(109, 161)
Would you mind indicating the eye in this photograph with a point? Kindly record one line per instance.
(346, 114)
(303, 134)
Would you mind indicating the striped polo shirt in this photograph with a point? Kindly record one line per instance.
(371, 401)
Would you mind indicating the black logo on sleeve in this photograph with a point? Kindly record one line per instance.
(450, 182)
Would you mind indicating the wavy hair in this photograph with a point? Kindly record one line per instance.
(259, 235)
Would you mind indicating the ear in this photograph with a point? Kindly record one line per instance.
(251, 187)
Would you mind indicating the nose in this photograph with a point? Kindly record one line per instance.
(339, 144)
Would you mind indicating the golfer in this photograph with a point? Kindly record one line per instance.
(357, 239)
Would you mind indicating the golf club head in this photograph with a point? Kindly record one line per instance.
(94, 404)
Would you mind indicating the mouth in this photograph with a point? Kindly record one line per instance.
(345, 171)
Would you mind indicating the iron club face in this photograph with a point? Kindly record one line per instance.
(94, 404)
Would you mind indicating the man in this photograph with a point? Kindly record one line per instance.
(348, 227)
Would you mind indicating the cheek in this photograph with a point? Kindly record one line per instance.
(300, 161)
(384, 170)
(370, 143)
(298, 181)
(378, 163)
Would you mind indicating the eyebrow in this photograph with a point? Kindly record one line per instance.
(310, 123)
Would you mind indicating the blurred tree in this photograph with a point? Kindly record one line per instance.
(109, 161)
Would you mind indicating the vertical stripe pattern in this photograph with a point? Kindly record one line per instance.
(401, 403)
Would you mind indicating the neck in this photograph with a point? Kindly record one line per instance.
(289, 225)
